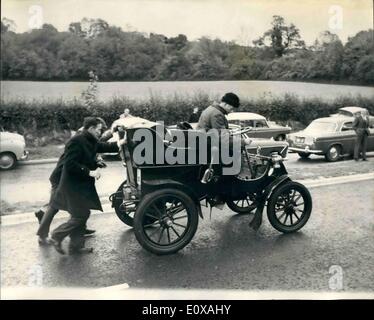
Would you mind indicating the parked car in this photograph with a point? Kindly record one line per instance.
(261, 127)
(351, 111)
(12, 149)
(332, 137)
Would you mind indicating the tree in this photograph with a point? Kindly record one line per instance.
(282, 37)
(324, 39)
(327, 58)
(356, 47)
(364, 71)
(8, 25)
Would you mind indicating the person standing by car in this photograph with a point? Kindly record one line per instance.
(74, 181)
(361, 127)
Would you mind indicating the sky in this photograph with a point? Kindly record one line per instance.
(241, 21)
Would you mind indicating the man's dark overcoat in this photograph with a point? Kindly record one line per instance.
(75, 189)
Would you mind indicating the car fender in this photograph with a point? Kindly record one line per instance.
(153, 185)
(334, 143)
(275, 184)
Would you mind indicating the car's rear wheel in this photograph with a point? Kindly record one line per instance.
(242, 206)
(333, 154)
(281, 137)
(7, 161)
(303, 155)
(166, 221)
(125, 210)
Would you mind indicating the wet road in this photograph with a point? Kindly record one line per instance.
(224, 254)
(27, 187)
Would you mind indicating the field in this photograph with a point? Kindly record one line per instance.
(29, 90)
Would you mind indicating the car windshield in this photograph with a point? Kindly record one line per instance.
(345, 113)
(321, 126)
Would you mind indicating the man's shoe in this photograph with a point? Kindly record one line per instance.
(89, 232)
(44, 241)
(364, 159)
(39, 215)
(81, 250)
(356, 159)
(57, 245)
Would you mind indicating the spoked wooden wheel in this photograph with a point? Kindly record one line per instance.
(165, 221)
(125, 210)
(289, 207)
(242, 206)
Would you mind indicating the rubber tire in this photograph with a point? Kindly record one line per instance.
(328, 156)
(12, 158)
(185, 240)
(281, 137)
(239, 210)
(303, 155)
(271, 206)
(117, 201)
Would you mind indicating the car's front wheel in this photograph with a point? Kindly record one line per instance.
(289, 207)
(303, 155)
(333, 154)
(7, 161)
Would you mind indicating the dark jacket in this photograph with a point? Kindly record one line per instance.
(75, 189)
(213, 117)
(361, 125)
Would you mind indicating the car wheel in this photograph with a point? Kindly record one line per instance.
(303, 155)
(7, 161)
(333, 154)
(124, 209)
(289, 207)
(174, 219)
(242, 206)
(281, 137)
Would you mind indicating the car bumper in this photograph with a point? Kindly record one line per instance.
(305, 150)
(24, 156)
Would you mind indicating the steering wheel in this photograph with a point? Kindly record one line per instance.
(240, 131)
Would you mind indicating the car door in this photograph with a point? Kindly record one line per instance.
(347, 137)
(370, 146)
(262, 129)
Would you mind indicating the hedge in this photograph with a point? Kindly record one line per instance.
(48, 118)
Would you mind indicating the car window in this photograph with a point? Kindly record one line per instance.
(261, 124)
(321, 126)
(347, 126)
(246, 123)
(237, 122)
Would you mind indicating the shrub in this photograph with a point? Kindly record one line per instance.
(53, 119)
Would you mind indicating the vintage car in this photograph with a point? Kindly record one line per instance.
(162, 201)
(12, 149)
(332, 137)
(261, 127)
